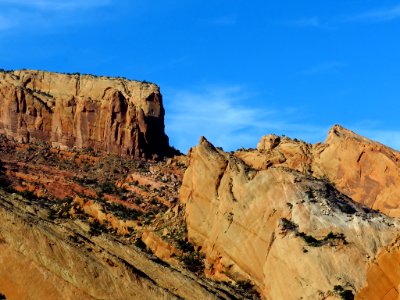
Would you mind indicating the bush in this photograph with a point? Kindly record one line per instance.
(108, 187)
(142, 246)
(288, 224)
(28, 195)
(310, 240)
(247, 289)
(185, 246)
(343, 293)
(96, 228)
(193, 262)
(121, 211)
(2, 296)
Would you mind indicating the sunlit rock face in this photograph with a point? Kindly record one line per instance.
(366, 171)
(289, 233)
(111, 115)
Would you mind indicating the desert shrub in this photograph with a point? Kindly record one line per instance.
(140, 244)
(96, 228)
(2, 296)
(343, 293)
(312, 241)
(336, 236)
(4, 181)
(247, 289)
(108, 187)
(288, 224)
(28, 195)
(122, 211)
(193, 261)
(185, 246)
(85, 181)
(309, 239)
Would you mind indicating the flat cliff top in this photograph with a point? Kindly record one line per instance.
(65, 84)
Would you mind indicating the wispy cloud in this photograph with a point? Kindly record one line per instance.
(369, 16)
(38, 14)
(323, 68)
(375, 15)
(53, 4)
(227, 117)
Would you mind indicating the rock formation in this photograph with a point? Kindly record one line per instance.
(366, 171)
(77, 225)
(288, 220)
(111, 115)
(289, 233)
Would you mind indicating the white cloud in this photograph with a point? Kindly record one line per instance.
(228, 117)
(45, 14)
(376, 15)
(54, 4)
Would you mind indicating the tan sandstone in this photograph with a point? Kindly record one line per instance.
(365, 170)
(112, 115)
(239, 216)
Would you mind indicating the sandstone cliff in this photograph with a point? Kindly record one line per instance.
(289, 233)
(297, 221)
(77, 225)
(366, 171)
(111, 115)
(44, 259)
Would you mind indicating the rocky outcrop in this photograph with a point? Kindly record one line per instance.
(111, 115)
(366, 171)
(383, 275)
(289, 233)
(45, 259)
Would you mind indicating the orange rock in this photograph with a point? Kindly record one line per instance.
(383, 275)
(271, 226)
(160, 248)
(366, 171)
(111, 115)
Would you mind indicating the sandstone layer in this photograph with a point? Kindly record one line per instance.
(45, 259)
(111, 115)
(289, 233)
(366, 171)
(77, 225)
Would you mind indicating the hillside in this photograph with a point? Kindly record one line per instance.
(94, 204)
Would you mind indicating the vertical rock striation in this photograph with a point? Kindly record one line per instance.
(111, 115)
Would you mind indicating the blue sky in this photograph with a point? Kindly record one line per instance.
(229, 70)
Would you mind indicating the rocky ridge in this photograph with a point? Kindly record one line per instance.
(91, 208)
(278, 227)
(366, 171)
